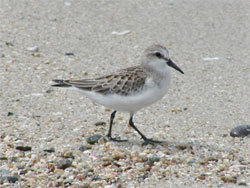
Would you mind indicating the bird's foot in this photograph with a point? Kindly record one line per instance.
(116, 140)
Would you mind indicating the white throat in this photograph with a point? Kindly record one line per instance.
(159, 66)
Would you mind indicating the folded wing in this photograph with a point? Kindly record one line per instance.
(127, 81)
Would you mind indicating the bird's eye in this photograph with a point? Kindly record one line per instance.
(158, 54)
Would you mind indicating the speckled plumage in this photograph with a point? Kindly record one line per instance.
(125, 82)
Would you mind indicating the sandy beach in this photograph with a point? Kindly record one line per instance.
(44, 130)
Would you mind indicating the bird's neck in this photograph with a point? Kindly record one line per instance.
(158, 68)
(161, 74)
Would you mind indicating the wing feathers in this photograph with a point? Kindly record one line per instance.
(125, 82)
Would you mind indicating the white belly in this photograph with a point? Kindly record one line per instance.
(130, 103)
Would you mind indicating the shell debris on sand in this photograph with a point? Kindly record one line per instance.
(74, 40)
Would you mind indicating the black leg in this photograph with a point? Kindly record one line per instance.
(147, 140)
(110, 129)
(110, 124)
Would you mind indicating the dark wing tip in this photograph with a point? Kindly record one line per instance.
(61, 83)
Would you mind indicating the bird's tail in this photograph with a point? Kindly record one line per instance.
(61, 83)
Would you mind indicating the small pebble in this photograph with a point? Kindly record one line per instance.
(110, 186)
(95, 178)
(243, 161)
(116, 164)
(10, 114)
(240, 131)
(100, 123)
(2, 180)
(33, 49)
(142, 178)
(83, 148)
(23, 172)
(191, 161)
(184, 146)
(69, 54)
(208, 173)
(49, 91)
(4, 172)
(9, 43)
(67, 154)
(85, 185)
(24, 148)
(36, 54)
(229, 179)
(63, 163)
(175, 111)
(242, 182)
(21, 165)
(118, 155)
(12, 179)
(3, 158)
(50, 150)
(143, 157)
(202, 177)
(94, 138)
(152, 159)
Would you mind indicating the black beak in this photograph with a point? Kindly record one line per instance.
(173, 65)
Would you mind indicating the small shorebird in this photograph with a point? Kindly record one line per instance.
(130, 89)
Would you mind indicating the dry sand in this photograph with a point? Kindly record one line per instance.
(208, 39)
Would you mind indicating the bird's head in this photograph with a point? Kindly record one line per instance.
(157, 56)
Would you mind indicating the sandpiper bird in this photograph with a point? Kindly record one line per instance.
(130, 89)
